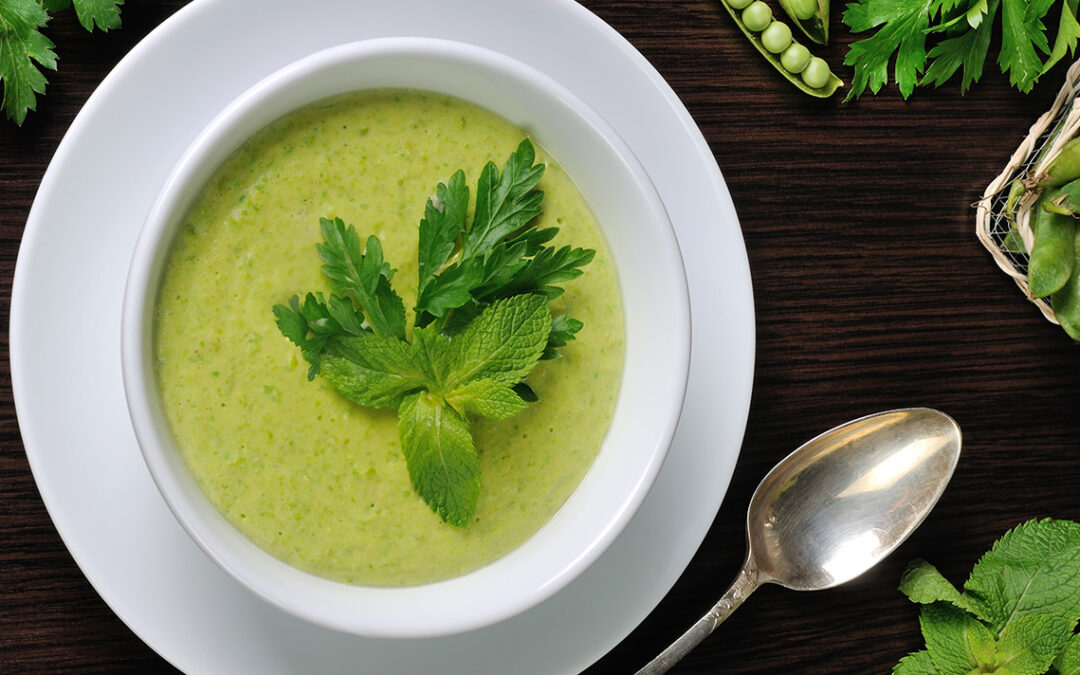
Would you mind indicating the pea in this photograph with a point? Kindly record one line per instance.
(816, 74)
(803, 9)
(739, 4)
(757, 16)
(777, 37)
(795, 58)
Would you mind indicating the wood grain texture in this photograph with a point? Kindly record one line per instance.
(871, 292)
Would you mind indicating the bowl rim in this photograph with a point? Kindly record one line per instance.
(200, 159)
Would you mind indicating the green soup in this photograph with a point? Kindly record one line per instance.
(310, 477)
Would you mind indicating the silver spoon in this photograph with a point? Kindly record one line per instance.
(836, 507)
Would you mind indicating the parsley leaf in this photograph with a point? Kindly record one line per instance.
(961, 31)
(24, 50)
(105, 14)
(482, 323)
(362, 274)
(1016, 614)
(465, 266)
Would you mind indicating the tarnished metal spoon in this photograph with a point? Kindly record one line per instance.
(836, 507)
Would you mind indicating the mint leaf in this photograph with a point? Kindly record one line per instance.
(956, 641)
(1068, 661)
(22, 49)
(443, 223)
(442, 460)
(372, 370)
(505, 202)
(486, 398)
(1032, 569)
(916, 663)
(104, 14)
(503, 343)
(1029, 644)
(362, 274)
(923, 584)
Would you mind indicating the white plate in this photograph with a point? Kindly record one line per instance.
(65, 318)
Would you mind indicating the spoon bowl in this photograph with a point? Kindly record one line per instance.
(843, 501)
(835, 507)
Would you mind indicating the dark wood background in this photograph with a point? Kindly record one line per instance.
(871, 293)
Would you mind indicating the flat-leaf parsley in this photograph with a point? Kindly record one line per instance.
(959, 32)
(24, 50)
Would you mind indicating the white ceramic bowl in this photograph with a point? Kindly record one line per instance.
(655, 301)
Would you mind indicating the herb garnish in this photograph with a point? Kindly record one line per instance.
(1016, 614)
(481, 324)
(961, 31)
(23, 47)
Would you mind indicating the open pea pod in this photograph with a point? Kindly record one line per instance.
(797, 71)
(811, 17)
(1065, 200)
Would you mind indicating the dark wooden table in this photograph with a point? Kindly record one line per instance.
(871, 293)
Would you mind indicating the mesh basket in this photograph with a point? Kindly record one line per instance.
(1005, 229)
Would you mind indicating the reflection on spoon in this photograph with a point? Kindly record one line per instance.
(836, 507)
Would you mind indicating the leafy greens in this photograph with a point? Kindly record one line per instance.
(481, 323)
(961, 31)
(1016, 614)
(24, 49)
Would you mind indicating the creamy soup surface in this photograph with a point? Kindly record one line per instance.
(310, 477)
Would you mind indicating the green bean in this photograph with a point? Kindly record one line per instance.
(1064, 169)
(810, 16)
(1066, 302)
(1065, 200)
(1051, 262)
(783, 53)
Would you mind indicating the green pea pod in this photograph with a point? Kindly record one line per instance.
(832, 82)
(1052, 254)
(816, 27)
(1066, 302)
(1064, 169)
(1065, 200)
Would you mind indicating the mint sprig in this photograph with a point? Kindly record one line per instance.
(481, 323)
(1016, 614)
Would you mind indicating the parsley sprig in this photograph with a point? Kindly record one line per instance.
(1016, 614)
(959, 33)
(24, 49)
(481, 323)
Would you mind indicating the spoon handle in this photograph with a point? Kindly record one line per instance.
(745, 583)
